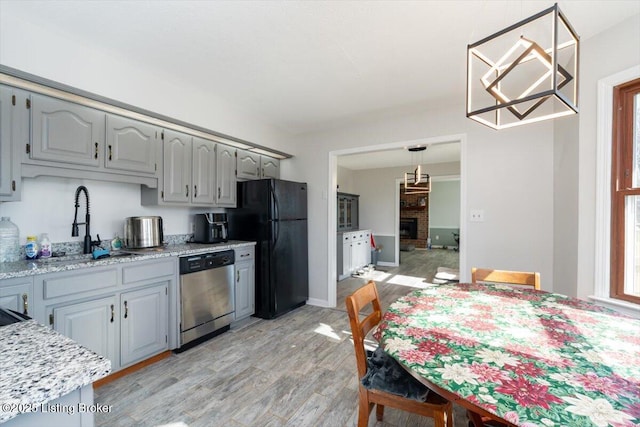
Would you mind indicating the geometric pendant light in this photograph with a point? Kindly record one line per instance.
(526, 73)
(417, 182)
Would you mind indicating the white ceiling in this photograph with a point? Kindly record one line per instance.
(305, 66)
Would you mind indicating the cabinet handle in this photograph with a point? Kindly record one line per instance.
(112, 312)
(195, 191)
(218, 192)
(262, 171)
(25, 303)
(95, 154)
(13, 185)
(238, 276)
(110, 153)
(187, 187)
(126, 310)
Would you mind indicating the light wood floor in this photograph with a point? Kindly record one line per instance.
(297, 370)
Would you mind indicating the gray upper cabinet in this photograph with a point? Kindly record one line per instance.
(255, 166)
(248, 165)
(203, 176)
(226, 175)
(269, 167)
(14, 134)
(177, 167)
(65, 132)
(131, 145)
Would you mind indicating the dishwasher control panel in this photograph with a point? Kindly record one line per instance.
(206, 261)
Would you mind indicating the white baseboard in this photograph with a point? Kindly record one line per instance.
(319, 303)
(387, 264)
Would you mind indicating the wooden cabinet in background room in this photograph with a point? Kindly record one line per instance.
(353, 252)
(347, 205)
(269, 167)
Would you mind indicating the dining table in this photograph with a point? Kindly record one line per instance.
(521, 356)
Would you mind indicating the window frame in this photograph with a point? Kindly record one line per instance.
(622, 145)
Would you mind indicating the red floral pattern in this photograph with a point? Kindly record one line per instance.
(530, 357)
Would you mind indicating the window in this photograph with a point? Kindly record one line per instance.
(625, 193)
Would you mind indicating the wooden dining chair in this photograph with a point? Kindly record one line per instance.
(381, 394)
(531, 279)
(508, 277)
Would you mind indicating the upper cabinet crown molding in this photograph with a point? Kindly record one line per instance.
(36, 84)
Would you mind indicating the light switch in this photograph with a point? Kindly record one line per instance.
(477, 215)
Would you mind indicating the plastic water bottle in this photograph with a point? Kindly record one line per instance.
(9, 240)
(428, 242)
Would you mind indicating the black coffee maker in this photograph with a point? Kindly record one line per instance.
(210, 228)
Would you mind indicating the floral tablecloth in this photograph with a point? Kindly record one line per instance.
(530, 357)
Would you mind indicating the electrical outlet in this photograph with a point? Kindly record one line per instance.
(477, 215)
(437, 237)
(192, 227)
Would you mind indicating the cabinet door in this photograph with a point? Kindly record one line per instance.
(16, 295)
(6, 115)
(131, 145)
(91, 324)
(143, 323)
(226, 175)
(177, 167)
(248, 165)
(65, 132)
(204, 171)
(245, 289)
(14, 135)
(347, 267)
(269, 168)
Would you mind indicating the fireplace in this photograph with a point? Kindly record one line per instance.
(408, 228)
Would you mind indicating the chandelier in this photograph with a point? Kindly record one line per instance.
(417, 182)
(525, 73)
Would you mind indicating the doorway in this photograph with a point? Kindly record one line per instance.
(383, 150)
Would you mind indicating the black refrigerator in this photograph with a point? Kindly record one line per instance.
(273, 213)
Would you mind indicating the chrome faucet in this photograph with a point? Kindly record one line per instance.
(74, 230)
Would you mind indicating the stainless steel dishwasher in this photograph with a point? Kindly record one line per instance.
(206, 296)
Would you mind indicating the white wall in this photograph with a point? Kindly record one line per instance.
(47, 51)
(444, 204)
(345, 180)
(606, 54)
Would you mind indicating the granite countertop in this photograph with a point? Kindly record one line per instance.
(10, 270)
(39, 365)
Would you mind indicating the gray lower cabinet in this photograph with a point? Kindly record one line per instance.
(131, 145)
(121, 312)
(65, 132)
(92, 324)
(14, 134)
(16, 294)
(143, 323)
(245, 287)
